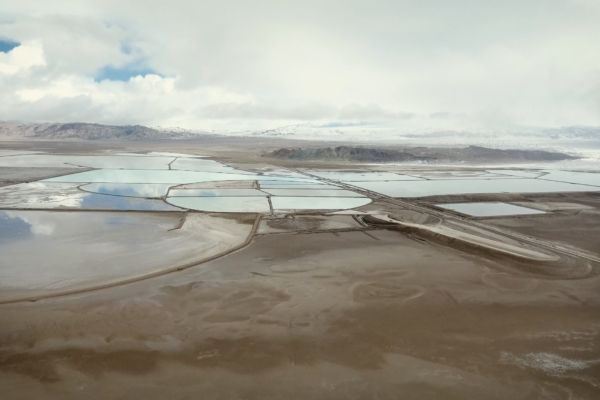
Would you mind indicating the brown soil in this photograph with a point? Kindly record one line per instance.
(577, 229)
(357, 314)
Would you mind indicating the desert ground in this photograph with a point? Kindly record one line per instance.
(396, 299)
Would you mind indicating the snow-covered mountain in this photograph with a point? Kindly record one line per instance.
(366, 132)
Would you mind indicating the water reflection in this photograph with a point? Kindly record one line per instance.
(41, 195)
(50, 195)
(52, 250)
(129, 189)
(13, 227)
(222, 204)
(160, 176)
(100, 201)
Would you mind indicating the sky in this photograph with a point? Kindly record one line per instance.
(258, 64)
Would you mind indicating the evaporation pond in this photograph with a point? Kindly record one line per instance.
(363, 176)
(318, 203)
(215, 193)
(451, 187)
(222, 204)
(44, 195)
(128, 162)
(458, 175)
(193, 164)
(158, 176)
(271, 180)
(312, 193)
(489, 209)
(517, 173)
(49, 251)
(130, 189)
(298, 187)
(584, 178)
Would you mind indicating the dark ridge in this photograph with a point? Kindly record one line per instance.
(427, 154)
(347, 153)
(477, 152)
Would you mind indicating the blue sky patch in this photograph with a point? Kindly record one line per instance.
(8, 45)
(122, 74)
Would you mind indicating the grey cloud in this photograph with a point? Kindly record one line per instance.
(75, 109)
(372, 111)
(255, 111)
(513, 61)
(75, 44)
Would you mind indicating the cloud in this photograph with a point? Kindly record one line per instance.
(371, 112)
(238, 63)
(254, 111)
(21, 58)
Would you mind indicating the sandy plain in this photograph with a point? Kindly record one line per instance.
(330, 307)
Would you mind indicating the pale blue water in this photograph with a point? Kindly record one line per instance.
(194, 164)
(460, 175)
(489, 209)
(222, 204)
(160, 176)
(300, 187)
(584, 178)
(264, 180)
(317, 203)
(363, 176)
(114, 162)
(517, 173)
(312, 193)
(130, 189)
(104, 202)
(216, 193)
(451, 187)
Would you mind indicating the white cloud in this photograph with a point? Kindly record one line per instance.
(25, 56)
(264, 63)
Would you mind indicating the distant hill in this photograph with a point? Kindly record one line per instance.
(477, 153)
(80, 130)
(365, 154)
(347, 153)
